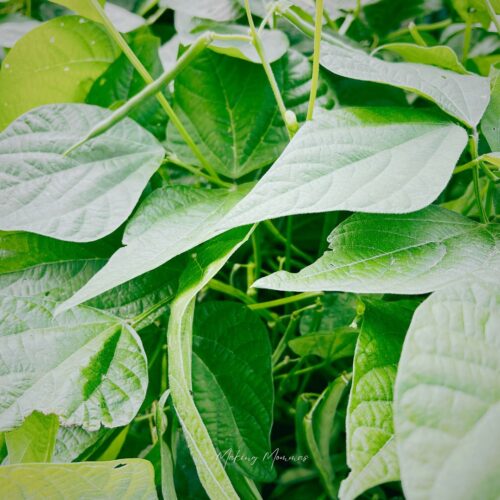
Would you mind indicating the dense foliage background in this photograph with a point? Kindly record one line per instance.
(249, 249)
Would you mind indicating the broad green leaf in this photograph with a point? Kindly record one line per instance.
(85, 366)
(447, 397)
(215, 98)
(127, 479)
(120, 82)
(232, 384)
(462, 96)
(79, 197)
(220, 10)
(13, 27)
(439, 55)
(169, 222)
(359, 159)
(489, 124)
(407, 254)
(34, 441)
(336, 344)
(37, 266)
(205, 263)
(371, 445)
(91, 9)
(56, 62)
(72, 442)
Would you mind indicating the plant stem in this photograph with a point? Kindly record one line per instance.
(416, 35)
(151, 89)
(257, 43)
(465, 166)
(285, 300)
(282, 344)
(275, 232)
(420, 27)
(148, 79)
(315, 64)
(230, 290)
(492, 13)
(467, 39)
(475, 177)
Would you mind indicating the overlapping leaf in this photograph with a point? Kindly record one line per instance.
(364, 159)
(408, 254)
(447, 399)
(371, 445)
(81, 196)
(463, 96)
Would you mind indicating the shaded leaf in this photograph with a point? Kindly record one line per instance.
(84, 195)
(450, 361)
(489, 124)
(408, 254)
(371, 445)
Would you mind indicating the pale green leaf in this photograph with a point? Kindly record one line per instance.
(34, 441)
(407, 254)
(463, 96)
(122, 19)
(438, 55)
(447, 398)
(474, 11)
(220, 10)
(359, 159)
(91, 9)
(126, 479)
(205, 263)
(215, 98)
(232, 384)
(79, 197)
(169, 222)
(371, 446)
(73, 442)
(85, 366)
(56, 62)
(490, 123)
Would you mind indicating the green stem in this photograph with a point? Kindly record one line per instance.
(151, 89)
(416, 35)
(273, 230)
(282, 344)
(465, 166)
(475, 177)
(230, 290)
(492, 13)
(285, 300)
(421, 27)
(148, 79)
(28, 8)
(257, 43)
(315, 64)
(467, 40)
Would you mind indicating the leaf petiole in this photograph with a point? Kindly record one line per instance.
(316, 54)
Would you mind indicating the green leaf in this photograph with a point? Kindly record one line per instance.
(473, 11)
(90, 9)
(489, 124)
(86, 194)
(129, 478)
(63, 50)
(336, 344)
(13, 27)
(204, 264)
(371, 445)
(215, 98)
(447, 408)
(439, 55)
(221, 10)
(407, 254)
(170, 221)
(464, 97)
(167, 465)
(362, 159)
(232, 384)
(122, 19)
(120, 82)
(84, 365)
(34, 441)
(73, 442)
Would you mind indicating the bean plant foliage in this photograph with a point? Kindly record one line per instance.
(249, 249)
